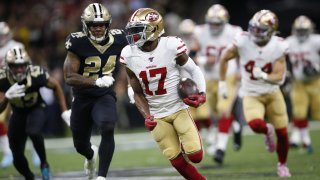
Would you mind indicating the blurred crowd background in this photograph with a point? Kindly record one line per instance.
(43, 25)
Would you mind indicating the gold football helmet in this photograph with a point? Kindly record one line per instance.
(144, 25)
(302, 28)
(262, 26)
(96, 14)
(17, 61)
(217, 16)
(186, 27)
(5, 33)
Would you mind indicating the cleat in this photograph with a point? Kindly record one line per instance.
(307, 149)
(218, 156)
(269, 141)
(101, 178)
(45, 172)
(35, 158)
(283, 170)
(293, 146)
(211, 149)
(7, 160)
(90, 165)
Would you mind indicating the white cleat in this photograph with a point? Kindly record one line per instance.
(90, 165)
(35, 158)
(269, 141)
(283, 170)
(7, 160)
(101, 178)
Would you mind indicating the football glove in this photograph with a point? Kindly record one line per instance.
(131, 95)
(104, 81)
(223, 91)
(15, 91)
(66, 115)
(259, 74)
(195, 100)
(149, 123)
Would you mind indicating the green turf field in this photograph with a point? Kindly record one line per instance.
(251, 162)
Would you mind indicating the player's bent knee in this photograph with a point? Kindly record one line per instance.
(196, 157)
(107, 128)
(257, 125)
(80, 147)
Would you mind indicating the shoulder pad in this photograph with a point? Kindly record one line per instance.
(36, 71)
(73, 38)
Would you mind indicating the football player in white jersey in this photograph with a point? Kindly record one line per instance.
(7, 43)
(213, 38)
(152, 63)
(304, 48)
(263, 66)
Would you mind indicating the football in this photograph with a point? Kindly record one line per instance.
(187, 87)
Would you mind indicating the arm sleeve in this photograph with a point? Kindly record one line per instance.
(196, 74)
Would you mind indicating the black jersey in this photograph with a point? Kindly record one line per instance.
(96, 60)
(36, 78)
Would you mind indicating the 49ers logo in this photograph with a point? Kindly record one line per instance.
(152, 17)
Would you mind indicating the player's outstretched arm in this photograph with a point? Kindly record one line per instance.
(71, 76)
(140, 100)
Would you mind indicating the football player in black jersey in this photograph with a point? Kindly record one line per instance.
(19, 85)
(90, 68)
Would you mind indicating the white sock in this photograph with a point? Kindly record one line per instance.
(211, 135)
(222, 141)
(295, 136)
(305, 136)
(236, 126)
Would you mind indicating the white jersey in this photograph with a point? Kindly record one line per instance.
(215, 46)
(303, 53)
(252, 55)
(158, 74)
(4, 49)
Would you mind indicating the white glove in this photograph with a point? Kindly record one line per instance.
(66, 115)
(105, 81)
(259, 74)
(15, 91)
(223, 91)
(131, 95)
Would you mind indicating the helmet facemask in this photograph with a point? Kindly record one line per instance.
(259, 34)
(139, 33)
(18, 71)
